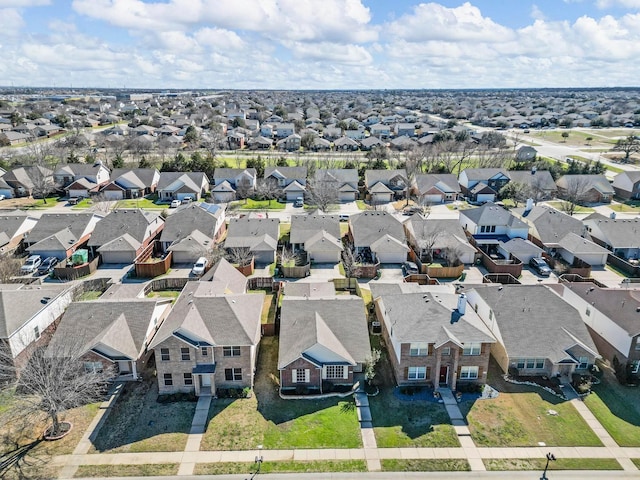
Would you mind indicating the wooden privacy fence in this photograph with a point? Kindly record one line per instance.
(152, 269)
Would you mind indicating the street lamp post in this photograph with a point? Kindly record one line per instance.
(258, 461)
(550, 457)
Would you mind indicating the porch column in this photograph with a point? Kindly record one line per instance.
(436, 373)
(134, 370)
(454, 374)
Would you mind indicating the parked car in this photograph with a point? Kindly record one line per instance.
(200, 266)
(410, 268)
(47, 265)
(175, 204)
(32, 264)
(187, 200)
(540, 266)
(299, 202)
(344, 217)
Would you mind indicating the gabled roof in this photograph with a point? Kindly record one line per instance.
(388, 244)
(51, 223)
(437, 233)
(309, 289)
(79, 169)
(294, 186)
(27, 176)
(371, 177)
(444, 182)
(578, 245)
(225, 278)
(123, 243)
(213, 320)
(250, 232)
(323, 242)
(120, 325)
(304, 227)
(480, 174)
(195, 242)
(617, 232)
(19, 303)
(63, 240)
(541, 179)
(598, 182)
(136, 223)
(143, 177)
(548, 224)
(369, 226)
(286, 172)
(336, 325)
(223, 186)
(234, 172)
(188, 218)
(534, 322)
(11, 222)
(491, 214)
(187, 181)
(340, 175)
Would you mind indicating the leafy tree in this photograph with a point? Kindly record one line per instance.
(238, 122)
(282, 162)
(144, 163)
(257, 163)
(628, 145)
(117, 162)
(589, 140)
(516, 191)
(307, 140)
(191, 135)
(565, 135)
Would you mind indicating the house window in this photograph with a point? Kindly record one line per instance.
(301, 375)
(493, 229)
(468, 373)
(446, 351)
(419, 349)
(635, 366)
(204, 351)
(583, 363)
(472, 348)
(539, 363)
(334, 371)
(231, 351)
(520, 363)
(233, 374)
(531, 363)
(36, 332)
(637, 343)
(417, 373)
(92, 367)
(482, 229)
(188, 379)
(168, 379)
(184, 352)
(164, 354)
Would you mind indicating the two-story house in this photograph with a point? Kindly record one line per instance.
(384, 186)
(318, 235)
(292, 180)
(434, 337)
(378, 237)
(585, 188)
(344, 179)
(80, 179)
(232, 183)
(483, 184)
(14, 225)
(209, 341)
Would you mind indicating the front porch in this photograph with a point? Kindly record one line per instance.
(204, 379)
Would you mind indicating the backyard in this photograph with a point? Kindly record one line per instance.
(524, 416)
(266, 419)
(616, 408)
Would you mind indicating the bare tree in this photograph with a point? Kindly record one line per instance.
(628, 146)
(240, 256)
(574, 192)
(452, 255)
(322, 193)
(350, 263)
(516, 191)
(53, 381)
(102, 204)
(9, 267)
(42, 181)
(267, 189)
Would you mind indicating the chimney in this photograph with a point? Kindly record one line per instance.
(529, 204)
(462, 303)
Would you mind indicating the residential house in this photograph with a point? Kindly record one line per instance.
(291, 143)
(192, 231)
(231, 183)
(29, 315)
(260, 143)
(540, 183)
(60, 234)
(371, 142)
(403, 143)
(547, 226)
(113, 333)
(627, 185)
(283, 130)
(523, 250)
(434, 337)
(405, 129)
(385, 186)
(573, 246)
(292, 180)
(125, 234)
(131, 183)
(224, 279)
(14, 226)
(434, 188)
(209, 341)
(94, 175)
(556, 342)
(318, 235)
(483, 184)
(585, 188)
(378, 237)
(259, 235)
(490, 223)
(344, 179)
(439, 238)
(179, 185)
(611, 316)
(323, 344)
(345, 143)
(526, 153)
(14, 138)
(620, 236)
(381, 131)
(309, 290)
(25, 181)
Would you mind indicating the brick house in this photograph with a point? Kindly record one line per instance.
(323, 344)
(434, 337)
(209, 341)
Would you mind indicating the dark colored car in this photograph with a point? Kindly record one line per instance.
(409, 268)
(540, 266)
(47, 265)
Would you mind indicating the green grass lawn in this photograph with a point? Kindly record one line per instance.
(344, 228)
(626, 207)
(511, 464)
(285, 230)
(138, 423)
(362, 205)
(266, 419)
(145, 470)
(90, 295)
(616, 408)
(314, 466)
(251, 204)
(146, 203)
(268, 308)
(579, 208)
(418, 465)
(173, 294)
(83, 204)
(519, 417)
(45, 203)
(398, 423)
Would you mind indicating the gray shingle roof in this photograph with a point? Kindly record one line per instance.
(10, 223)
(442, 233)
(618, 232)
(549, 225)
(578, 245)
(192, 180)
(120, 222)
(340, 175)
(304, 227)
(287, 172)
(483, 173)
(367, 227)
(145, 175)
(445, 182)
(187, 219)
(51, 223)
(490, 214)
(251, 232)
(599, 182)
(339, 324)
(371, 177)
(226, 277)
(310, 289)
(541, 178)
(18, 303)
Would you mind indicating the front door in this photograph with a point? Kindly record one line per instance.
(444, 375)
(205, 380)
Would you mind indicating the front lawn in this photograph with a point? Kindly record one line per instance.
(362, 205)
(419, 465)
(45, 203)
(522, 416)
(398, 423)
(144, 470)
(138, 423)
(147, 203)
(579, 208)
(266, 419)
(313, 466)
(511, 464)
(616, 408)
(627, 207)
(250, 204)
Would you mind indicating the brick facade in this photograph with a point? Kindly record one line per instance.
(315, 376)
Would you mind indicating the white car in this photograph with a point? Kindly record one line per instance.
(32, 264)
(200, 266)
(175, 204)
(2, 197)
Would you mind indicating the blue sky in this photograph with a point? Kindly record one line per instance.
(320, 44)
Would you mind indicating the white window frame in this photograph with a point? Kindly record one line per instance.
(188, 379)
(417, 373)
(36, 332)
(446, 351)
(469, 372)
(231, 351)
(185, 351)
(583, 363)
(167, 379)
(334, 372)
(418, 349)
(636, 366)
(93, 367)
(165, 352)
(471, 348)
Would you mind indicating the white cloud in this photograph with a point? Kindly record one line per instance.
(331, 52)
(632, 4)
(10, 22)
(536, 13)
(23, 3)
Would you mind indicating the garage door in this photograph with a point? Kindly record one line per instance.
(291, 196)
(347, 196)
(432, 199)
(392, 257)
(185, 257)
(112, 194)
(326, 257)
(224, 196)
(486, 197)
(594, 259)
(118, 257)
